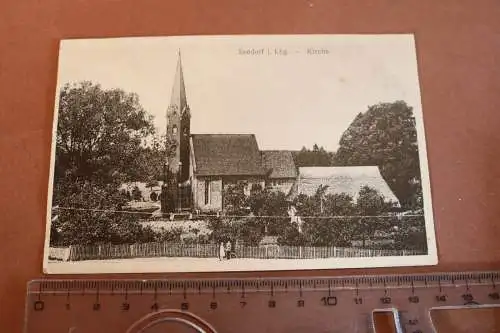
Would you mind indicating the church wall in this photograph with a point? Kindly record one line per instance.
(213, 202)
(215, 190)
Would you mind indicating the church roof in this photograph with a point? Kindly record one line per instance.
(226, 155)
(344, 179)
(279, 163)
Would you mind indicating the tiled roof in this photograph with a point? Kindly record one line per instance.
(347, 179)
(279, 163)
(227, 155)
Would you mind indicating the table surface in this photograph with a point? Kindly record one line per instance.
(458, 45)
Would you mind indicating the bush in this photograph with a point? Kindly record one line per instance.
(249, 230)
(411, 234)
(91, 216)
(172, 235)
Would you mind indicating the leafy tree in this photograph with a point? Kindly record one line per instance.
(325, 231)
(411, 234)
(318, 156)
(93, 217)
(385, 135)
(151, 158)
(370, 206)
(234, 199)
(249, 230)
(100, 133)
(272, 206)
(291, 236)
(323, 204)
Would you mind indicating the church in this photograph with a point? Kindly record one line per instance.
(200, 167)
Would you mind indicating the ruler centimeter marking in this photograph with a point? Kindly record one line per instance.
(335, 302)
(44, 286)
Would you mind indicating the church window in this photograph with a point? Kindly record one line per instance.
(207, 192)
(174, 129)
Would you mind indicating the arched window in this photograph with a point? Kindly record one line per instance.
(174, 129)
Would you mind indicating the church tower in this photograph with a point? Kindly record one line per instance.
(178, 133)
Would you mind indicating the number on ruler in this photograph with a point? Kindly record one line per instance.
(413, 299)
(300, 303)
(155, 307)
(358, 300)
(468, 297)
(185, 306)
(386, 300)
(243, 304)
(38, 306)
(441, 298)
(272, 304)
(213, 305)
(329, 301)
(495, 296)
(96, 306)
(125, 306)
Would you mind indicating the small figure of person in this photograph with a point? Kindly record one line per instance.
(222, 252)
(228, 250)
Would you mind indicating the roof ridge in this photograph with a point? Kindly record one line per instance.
(277, 150)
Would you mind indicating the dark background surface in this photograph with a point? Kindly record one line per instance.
(458, 45)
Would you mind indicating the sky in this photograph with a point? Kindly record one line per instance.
(287, 100)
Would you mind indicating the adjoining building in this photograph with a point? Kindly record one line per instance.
(345, 179)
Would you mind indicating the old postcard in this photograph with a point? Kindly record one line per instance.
(238, 153)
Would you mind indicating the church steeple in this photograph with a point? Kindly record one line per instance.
(178, 134)
(178, 100)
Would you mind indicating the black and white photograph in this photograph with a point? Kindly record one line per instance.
(238, 153)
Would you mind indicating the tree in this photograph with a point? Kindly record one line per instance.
(234, 199)
(272, 206)
(370, 207)
(249, 230)
(90, 213)
(100, 133)
(151, 158)
(410, 234)
(318, 156)
(291, 236)
(385, 135)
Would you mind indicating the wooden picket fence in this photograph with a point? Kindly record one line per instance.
(166, 249)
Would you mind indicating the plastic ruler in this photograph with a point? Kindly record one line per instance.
(301, 304)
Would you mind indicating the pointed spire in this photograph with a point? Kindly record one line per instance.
(178, 97)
